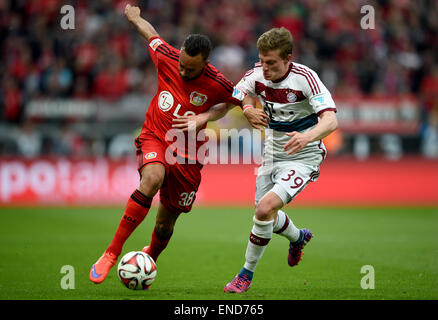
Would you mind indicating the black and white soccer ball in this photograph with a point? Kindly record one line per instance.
(137, 270)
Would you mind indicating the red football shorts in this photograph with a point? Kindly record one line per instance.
(181, 181)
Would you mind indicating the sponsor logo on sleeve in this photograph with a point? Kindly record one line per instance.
(150, 155)
(155, 43)
(318, 100)
(238, 94)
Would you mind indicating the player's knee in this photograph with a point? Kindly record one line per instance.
(264, 211)
(267, 207)
(151, 181)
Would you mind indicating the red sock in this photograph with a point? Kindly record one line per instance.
(157, 245)
(136, 210)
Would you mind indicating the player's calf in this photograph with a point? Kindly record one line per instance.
(163, 230)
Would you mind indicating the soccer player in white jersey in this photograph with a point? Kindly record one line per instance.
(302, 113)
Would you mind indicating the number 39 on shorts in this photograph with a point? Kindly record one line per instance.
(186, 198)
(295, 182)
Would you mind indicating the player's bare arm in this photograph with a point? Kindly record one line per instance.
(198, 121)
(298, 140)
(255, 116)
(132, 13)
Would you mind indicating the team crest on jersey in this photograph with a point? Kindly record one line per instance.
(197, 99)
(291, 97)
(150, 155)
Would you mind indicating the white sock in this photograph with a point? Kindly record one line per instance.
(285, 227)
(261, 233)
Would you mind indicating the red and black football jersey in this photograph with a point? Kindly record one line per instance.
(176, 97)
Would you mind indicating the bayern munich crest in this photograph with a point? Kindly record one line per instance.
(291, 97)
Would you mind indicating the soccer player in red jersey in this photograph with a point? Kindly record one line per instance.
(189, 89)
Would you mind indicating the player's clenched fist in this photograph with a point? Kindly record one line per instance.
(131, 12)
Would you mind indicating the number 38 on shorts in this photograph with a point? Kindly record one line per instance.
(187, 198)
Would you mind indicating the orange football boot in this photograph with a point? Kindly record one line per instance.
(102, 267)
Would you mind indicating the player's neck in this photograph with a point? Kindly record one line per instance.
(284, 76)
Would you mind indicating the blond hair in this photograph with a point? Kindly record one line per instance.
(276, 38)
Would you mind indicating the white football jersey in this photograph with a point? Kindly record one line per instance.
(293, 103)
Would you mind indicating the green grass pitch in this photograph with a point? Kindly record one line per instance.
(208, 247)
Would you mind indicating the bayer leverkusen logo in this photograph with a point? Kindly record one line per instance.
(197, 99)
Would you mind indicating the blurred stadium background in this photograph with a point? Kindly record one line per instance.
(72, 101)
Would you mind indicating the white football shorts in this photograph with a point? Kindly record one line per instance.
(285, 178)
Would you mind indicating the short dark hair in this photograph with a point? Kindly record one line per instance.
(197, 44)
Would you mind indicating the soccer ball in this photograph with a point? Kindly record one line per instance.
(137, 270)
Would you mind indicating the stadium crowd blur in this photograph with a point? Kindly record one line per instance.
(105, 59)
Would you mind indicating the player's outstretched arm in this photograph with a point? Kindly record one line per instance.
(198, 121)
(299, 140)
(132, 13)
(257, 118)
